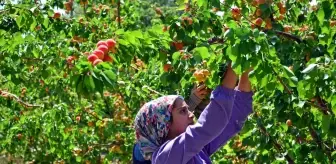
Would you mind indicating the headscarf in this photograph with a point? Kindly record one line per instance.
(151, 124)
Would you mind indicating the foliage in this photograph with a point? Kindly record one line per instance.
(58, 110)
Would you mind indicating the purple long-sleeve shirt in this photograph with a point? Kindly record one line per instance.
(220, 121)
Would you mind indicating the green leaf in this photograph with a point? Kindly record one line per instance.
(280, 87)
(201, 3)
(75, 80)
(18, 38)
(111, 75)
(310, 68)
(137, 34)
(326, 123)
(123, 42)
(264, 81)
(46, 22)
(33, 24)
(20, 20)
(333, 103)
(36, 53)
(98, 85)
(52, 149)
(79, 87)
(333, 154)
(301, 89)
(320, 15)
(288, 72)
(299, 111)
(232, 52)
(78, 159)
(284, 127)
(176, 56)
(203, 52)
(232, 24)
(89, 83)
(301, 104)
(229, 34)
(106, 79)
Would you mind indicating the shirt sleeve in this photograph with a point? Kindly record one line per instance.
(193, 102)
(242, 107)
(185, 146)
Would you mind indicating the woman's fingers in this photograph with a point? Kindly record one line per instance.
(195, 86)
(203, 92)
(201, 87)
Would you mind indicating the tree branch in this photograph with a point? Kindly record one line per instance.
(288, 35)
(86, 109)
(17, 99)
(283, 84)
(152, 90)
(119, 20)
(215, 40)
(275, 144)
(317, 139)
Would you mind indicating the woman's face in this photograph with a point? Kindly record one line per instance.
(182, 118)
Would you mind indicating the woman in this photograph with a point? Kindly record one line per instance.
(166, 133)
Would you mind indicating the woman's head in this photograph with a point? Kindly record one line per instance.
(161, 119)
(181, 118)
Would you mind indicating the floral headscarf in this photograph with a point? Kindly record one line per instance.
(151, 124)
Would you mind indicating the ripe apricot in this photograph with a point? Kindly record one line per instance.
(86, 53)
(164, 28)
(260, 2)
(68, 6)
(166, 67)
(268, 24)
(111, 43)
(287, 28)
(57, 15)
(92, 58)
(102, 43)
(97, 61)
(158, 11)
(90, 124)
(201, 75)
(235, 11)
(178, 45)
(19, 136)
(289, 123)
(103, 48)
(258, 22)
(78, 118)
(281, 17)
(215, 9)
(99, 53)
(258, 13)
(107, 58)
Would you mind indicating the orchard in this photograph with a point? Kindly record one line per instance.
(74, 73)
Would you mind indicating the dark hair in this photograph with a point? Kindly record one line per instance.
(174, 106)
(171, 116)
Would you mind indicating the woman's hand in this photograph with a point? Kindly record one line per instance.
(230, 78)
(244, 82)
(201, 91)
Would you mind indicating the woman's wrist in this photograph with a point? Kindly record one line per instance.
(230, 78)
(244, 83)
